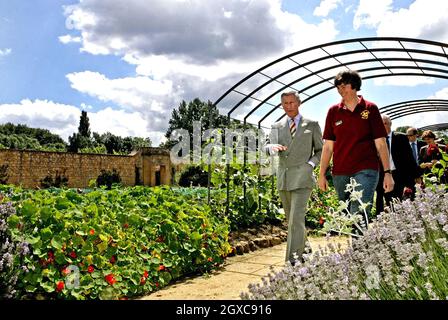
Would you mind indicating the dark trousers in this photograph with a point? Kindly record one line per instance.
(382, 197)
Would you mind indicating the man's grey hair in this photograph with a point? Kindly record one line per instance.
(291, 93)
(387, 118)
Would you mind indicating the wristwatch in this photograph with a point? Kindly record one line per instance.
(388, 171)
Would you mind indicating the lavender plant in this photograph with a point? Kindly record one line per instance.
(342, 220)
(11, 254)
(402, 255)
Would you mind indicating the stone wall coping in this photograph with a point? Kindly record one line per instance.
(69, 153)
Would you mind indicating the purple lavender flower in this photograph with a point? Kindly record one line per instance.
(401, 256)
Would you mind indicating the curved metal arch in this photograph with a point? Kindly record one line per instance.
(435, 127)
(421, 110)
(411, 103)
(416, 67)
(328, 79)
(402, 46)
(405, 108)
(366, 77)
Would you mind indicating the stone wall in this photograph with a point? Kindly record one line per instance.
(29, 168)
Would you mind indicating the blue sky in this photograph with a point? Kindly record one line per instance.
(130, 62)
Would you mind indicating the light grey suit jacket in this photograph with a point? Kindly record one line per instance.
(294, 171)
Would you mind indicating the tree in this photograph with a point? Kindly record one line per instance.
(81, 139)
(402, 129)
(22, 137)
(84, 126)
(196, 110)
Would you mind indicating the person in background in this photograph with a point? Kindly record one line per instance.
(430, 154)
(405, 169)
(298, 142)
(415, 143)
(354, 135)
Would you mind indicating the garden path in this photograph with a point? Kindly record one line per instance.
(236, 274)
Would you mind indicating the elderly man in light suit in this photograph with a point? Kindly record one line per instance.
(298, 142)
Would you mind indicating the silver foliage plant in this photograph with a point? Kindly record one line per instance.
(11, 254)
(402, 255)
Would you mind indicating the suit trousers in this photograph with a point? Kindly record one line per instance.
(295, 205)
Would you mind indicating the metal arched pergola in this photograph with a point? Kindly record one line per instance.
(435, 127)
(405, 108)
(256, 98)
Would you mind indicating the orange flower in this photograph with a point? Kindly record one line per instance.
(92, 232)
(110, 279)
(65, 271)
(60, 286)
(161, 267)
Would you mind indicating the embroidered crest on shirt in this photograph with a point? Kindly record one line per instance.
(365, 114)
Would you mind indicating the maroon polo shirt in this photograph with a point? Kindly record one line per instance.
(353, 134)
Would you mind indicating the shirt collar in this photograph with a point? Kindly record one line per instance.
(341, 105)
(296, 118)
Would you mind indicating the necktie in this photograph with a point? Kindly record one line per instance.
(292, 127)
(414, 151)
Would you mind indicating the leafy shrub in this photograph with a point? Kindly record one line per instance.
(439, 171)
(59, 180)
(193, 176)
(121, 242)
(4, 173)
(108, 178)
(318, 206)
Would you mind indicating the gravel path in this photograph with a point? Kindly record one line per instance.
(234, 277)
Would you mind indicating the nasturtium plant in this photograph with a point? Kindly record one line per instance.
(110, 244)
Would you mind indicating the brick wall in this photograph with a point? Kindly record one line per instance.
(28, 168)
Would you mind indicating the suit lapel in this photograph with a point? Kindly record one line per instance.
(301, 128)
(286, 134)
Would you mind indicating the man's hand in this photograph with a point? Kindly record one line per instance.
(426, 165)
(322, 183)
(274, 148)
(388, 183)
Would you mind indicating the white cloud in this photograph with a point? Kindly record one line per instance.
(441, 94)
(63, 119)
(123, 123)
(5, 52)
(131, 92)
(424, 19)
(206, 33)
(325, 7)
(371, 13)
(184, 50)
(59, 118)
(403, 81)
(69, 39)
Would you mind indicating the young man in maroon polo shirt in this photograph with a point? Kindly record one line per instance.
(354, 136)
